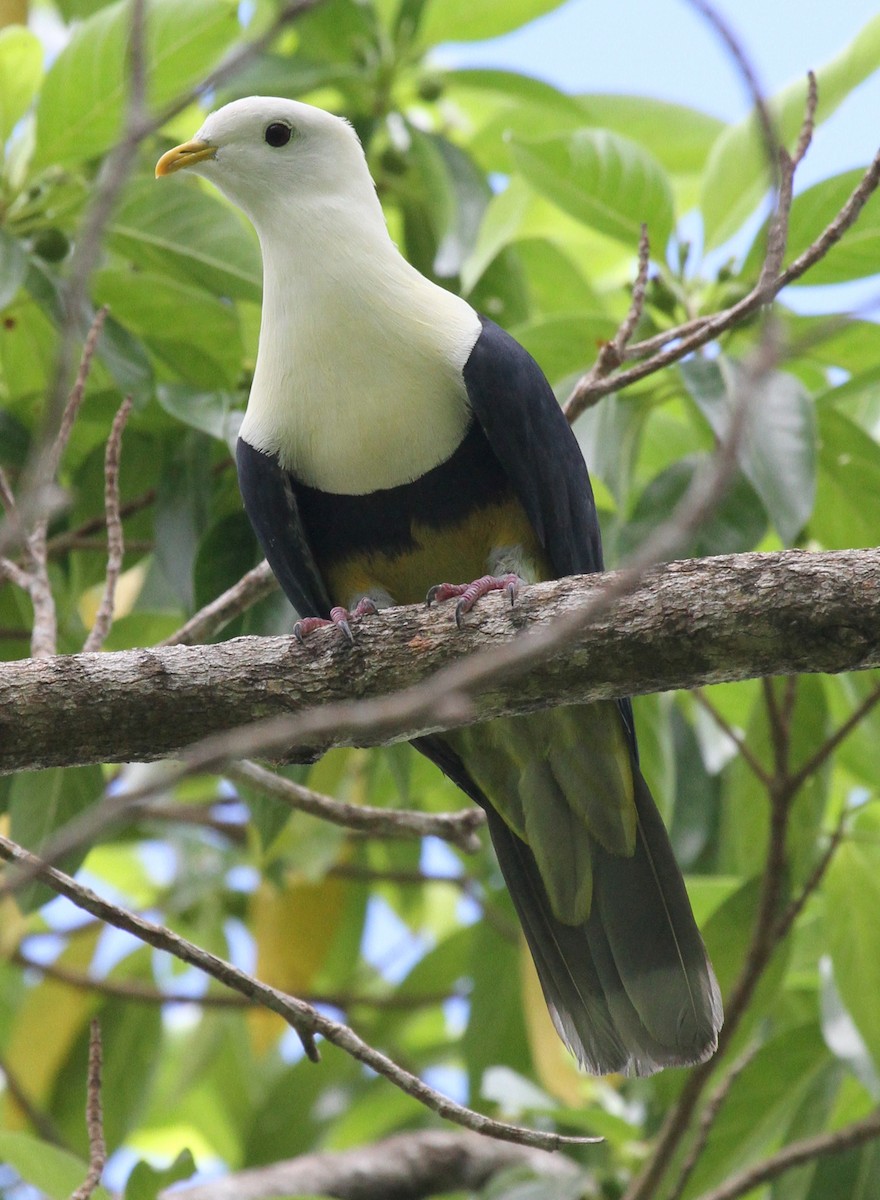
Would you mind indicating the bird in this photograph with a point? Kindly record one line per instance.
(395, 439)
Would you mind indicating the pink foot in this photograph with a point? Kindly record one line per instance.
(470, 593)
(339, 617)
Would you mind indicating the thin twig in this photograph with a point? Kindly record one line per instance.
(777, 233)
(744, 65)
(728, 730)
(779, 732)
(708, 1118)
(804, 1151)
(40, 1121)
(684, 339)
(140, 993)
(830, 745)
(94, 1118)
(458, 828)
(305, 1020)
(612, 353)
(796, 906)
(250, 589)
(115, 538)
(77, 392)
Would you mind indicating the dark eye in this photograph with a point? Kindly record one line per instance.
(278, 134)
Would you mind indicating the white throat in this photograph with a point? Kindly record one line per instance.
(358, 383)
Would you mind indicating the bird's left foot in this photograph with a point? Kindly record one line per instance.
(470, 593)
(340, 617)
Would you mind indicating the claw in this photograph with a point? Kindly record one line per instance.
(339, 616)
(470, 593)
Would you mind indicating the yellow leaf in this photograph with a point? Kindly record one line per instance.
(45, 1028)
(294, 928)
(557, 1071)
(128, 588)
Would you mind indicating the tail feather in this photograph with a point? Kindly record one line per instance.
(631, 989)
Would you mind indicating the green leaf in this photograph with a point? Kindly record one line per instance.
(216, 413)
(21, 69)
(55, 1172)
(852, 894)
(146, 1182)
(225, 552)
(854, 1174)
(555, 285)
(761, 1104)
(853, 257)
(81, 106)
(564, 345)
(43, 802)
(606, 181)
(191, 332)
(737, 524)
(680, 138)
(847, 511)
(777, 448)
(745, 814)
(13, 267)
(519, 213)
(736, 176)
(131, 1036)
(464, 21)
(189, 234)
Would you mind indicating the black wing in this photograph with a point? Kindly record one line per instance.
(271, 505)
(533, 441)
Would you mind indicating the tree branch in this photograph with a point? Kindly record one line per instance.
(457, 828)
(686, 624)
(408, 1166)
(306, 1021)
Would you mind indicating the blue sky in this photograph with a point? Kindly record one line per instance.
(664, 48)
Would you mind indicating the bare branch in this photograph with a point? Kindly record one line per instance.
(305, 1020)
(796, 906)
(77, 392)
(44, 633)
(807, 1150)
(115, 539)
(777, 234)
(457, 828)
(612, 353)
(94, 1118)
(407, 1166)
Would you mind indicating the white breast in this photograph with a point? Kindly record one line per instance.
(358, 384)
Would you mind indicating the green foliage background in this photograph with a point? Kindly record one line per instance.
(529, 202)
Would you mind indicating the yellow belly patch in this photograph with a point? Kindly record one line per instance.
(455, 554)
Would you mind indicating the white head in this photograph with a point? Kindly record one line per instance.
(352, 337)
(267, 153)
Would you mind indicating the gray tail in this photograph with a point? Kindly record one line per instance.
(631, 989)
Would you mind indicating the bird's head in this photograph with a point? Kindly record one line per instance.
(267, 153)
